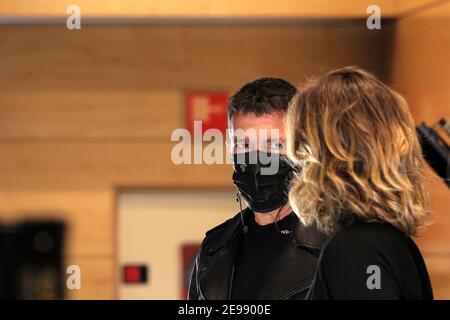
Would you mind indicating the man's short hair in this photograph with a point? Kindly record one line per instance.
(262, 96)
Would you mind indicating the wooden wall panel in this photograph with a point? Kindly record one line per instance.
(198, 8)
(86, 213)
(438, 268)
(420, 70)
(87, 165)
(89, 115)
(98, 279)
(420, 62)
(176, 58)
(411, 7)
(212, 8)
(90, 241)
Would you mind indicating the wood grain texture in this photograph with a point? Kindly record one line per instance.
(438, 267)
(420, 70)
(89, 115)
(99, 278)
(162, 58)
(87, 215)
(90, 165)
(198, 8)
(420, 63)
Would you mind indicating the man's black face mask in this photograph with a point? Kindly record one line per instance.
(262, 179)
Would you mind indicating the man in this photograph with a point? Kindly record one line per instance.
(264, 252)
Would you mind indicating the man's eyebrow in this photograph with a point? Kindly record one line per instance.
(237, 138)
(276, 140)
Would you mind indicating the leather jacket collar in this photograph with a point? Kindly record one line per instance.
(293, 273)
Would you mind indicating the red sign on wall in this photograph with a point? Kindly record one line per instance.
(208, 107)
(188, 255)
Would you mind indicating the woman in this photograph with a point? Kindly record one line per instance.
(362, 181)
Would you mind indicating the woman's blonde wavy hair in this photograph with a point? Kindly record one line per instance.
(356, 142)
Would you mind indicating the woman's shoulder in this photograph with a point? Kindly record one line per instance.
(368, 236)
(369, 229)
(362, 250)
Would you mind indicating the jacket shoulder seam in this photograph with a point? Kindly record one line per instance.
(222, 225)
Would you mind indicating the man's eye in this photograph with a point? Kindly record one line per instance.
(276, 145)
(241, 145)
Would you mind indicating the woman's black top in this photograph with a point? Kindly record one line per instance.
(370, 261)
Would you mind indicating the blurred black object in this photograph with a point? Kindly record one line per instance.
(31, 265)
(435, 147)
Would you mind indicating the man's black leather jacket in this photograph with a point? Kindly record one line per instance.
(212, 276)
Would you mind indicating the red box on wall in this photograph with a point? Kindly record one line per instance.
(134, 274)
(208, 107)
